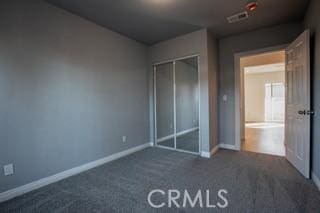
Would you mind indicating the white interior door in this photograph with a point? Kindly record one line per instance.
(298, 112)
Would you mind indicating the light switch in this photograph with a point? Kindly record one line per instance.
(225, 97)
(124, 139)
(8, 169)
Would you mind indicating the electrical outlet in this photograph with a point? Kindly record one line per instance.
(124, 139)
(8, 169)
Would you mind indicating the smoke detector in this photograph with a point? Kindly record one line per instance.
(238, 17)
(252, 5)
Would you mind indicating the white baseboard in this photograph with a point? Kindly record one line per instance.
(227, 146)
(216, 148)
(315, 179)
(211, 153)
(205, 154)
(7, 195)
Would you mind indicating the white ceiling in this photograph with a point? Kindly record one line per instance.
(277, 67)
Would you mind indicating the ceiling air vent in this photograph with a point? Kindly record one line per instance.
(238, 17)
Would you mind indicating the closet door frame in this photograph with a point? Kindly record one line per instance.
(173, 62)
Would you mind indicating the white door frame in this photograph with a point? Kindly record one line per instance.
(239, 76)
(173, 61)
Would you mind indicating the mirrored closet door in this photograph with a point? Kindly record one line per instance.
(165, 105)
(176, 91)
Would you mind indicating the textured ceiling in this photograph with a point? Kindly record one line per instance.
(152, 21)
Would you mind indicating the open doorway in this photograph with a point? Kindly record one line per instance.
(263, 101)
(297, 103)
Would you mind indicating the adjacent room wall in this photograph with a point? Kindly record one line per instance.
(267, 37)
(312, 22)
(255, 109)
(190, 44)
(69, 91)
(255, 93)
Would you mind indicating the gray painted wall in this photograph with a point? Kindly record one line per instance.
(69, 90)
(277, 35)
(213, 67)
(190, 44)
(312, 22)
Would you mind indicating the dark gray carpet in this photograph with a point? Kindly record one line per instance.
(255, 183)
(188, 142)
